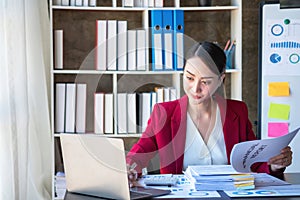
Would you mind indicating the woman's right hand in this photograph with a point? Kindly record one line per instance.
(132, 175)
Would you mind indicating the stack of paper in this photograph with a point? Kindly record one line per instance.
(218, 177)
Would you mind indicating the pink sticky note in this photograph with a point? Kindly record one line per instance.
(276, 129)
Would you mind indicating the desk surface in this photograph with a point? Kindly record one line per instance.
(293, 178)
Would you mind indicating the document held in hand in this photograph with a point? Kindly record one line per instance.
(244, 154)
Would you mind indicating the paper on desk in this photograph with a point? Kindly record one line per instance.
(244, 154)
(268, 191)
(183, 189)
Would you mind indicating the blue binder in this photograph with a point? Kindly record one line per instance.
(178, 17)
(156, 39)
(168, 39)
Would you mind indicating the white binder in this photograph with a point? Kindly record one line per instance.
(101, 43)
(131, 50)
(111, 45)
(122, 45)
(80, 107)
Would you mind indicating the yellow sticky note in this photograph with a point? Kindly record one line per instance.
(279, 89)
(279, 111)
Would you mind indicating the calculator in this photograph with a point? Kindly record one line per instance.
(160, 180)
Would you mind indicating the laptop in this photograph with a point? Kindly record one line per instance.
(95, 165)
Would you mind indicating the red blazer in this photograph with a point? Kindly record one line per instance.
(166, 134)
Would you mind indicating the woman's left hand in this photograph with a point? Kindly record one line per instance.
(282, 160)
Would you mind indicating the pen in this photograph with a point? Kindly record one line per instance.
(133, 166)
(227, 43)
(231, 45)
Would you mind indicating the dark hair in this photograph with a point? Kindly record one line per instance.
(215, 53)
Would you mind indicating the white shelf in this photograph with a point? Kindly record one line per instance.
(128, 72)
(137, 135)
(99, 8)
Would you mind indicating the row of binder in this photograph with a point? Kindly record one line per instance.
(133, 110)
(70, 107)
(143, 3)
(74, 2)
(118, 48)
(167, 39)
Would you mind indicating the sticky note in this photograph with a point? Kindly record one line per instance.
(276, 129)
(279, 111)
(278, 89)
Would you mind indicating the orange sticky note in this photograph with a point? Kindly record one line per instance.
(277, 129)
(279, 89)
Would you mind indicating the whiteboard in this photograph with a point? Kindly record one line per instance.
(279, 75)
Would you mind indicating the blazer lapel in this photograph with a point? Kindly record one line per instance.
(230, 125)
(178, 126)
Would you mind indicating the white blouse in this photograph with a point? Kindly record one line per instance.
(197, 152)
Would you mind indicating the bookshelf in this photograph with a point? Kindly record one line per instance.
(78, 24)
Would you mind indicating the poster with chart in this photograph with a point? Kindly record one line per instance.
(279, 75)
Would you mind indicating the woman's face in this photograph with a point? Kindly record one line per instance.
(199, 82)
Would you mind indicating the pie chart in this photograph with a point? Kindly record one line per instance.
(275, 58)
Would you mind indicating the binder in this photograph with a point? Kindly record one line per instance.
(85, 3)
(131, 114)
(70, 107)
(146, 109)
(153, 100)
(178, 19)
(173, 94)
(111, 45)
(156, 39)
(72, 2)
(127, 3)
(65, 2)
(93, 3)
(141, 50)
(100, 58)
(78, 2)
(99, 113)
(167, 30)
(80, 107)
(166, 94)
(58, 47)
(131, 50)
(108, 113)
(122, 113)
(158, 3)
(122, 46)
(160, 94)
(60, 98)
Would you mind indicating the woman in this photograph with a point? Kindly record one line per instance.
(202, 127)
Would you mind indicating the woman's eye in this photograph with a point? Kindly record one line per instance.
(189, 78)
(205, 82)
